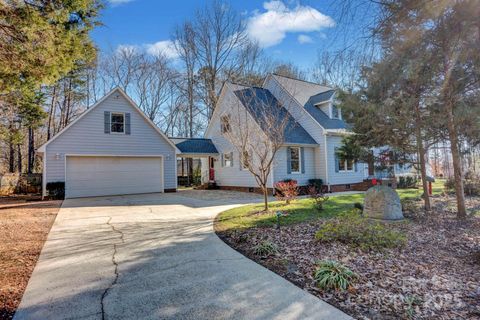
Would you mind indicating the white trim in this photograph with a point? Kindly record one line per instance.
(346, 170)
(299, 160)
(123, 114)
(326, 159)
(162, 160)
(44, 175)
(220, 97)
(132, 103)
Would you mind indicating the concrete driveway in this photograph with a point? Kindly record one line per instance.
(155, 256)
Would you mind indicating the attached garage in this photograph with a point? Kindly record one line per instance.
(88, 176)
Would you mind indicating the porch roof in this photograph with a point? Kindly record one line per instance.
(195, 146)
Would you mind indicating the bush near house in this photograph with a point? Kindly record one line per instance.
(407, 182)
(286, 190)
(56, 190)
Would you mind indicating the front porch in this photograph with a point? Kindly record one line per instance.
(195, 162)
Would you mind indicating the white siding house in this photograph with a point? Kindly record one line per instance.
(94, 158)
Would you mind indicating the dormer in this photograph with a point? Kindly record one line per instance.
(325, 101)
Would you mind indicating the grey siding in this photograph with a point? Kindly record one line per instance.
(87, 136)
(280, 171)
(341, 177)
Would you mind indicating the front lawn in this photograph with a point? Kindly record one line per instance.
(300, 210)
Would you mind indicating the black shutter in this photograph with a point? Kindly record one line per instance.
(106, 121)
(127, 123)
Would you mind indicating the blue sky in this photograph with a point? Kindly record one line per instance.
(288, 30)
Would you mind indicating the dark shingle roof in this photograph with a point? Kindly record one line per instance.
(195, 145)
(308, 94)
(322, 118)
(259, 100)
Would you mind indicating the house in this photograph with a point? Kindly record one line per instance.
(113, 148)
(309, 151)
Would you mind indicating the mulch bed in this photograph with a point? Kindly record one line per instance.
(24, 226)
(435, 276)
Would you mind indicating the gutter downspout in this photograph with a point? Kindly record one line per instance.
(326, 162)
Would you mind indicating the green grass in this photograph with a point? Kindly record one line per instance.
(299, 210)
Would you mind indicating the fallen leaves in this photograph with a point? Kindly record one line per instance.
(435, 276)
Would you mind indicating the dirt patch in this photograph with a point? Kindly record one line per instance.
(435, 276)
(24, 226)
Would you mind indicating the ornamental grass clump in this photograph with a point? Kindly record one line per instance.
(353, 229)
(333, 275)
(265, 248)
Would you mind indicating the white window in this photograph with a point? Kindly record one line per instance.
(227, 159)
(117, 123)
(225, 124)
(335, 112)
(346, 165)
(294, 159)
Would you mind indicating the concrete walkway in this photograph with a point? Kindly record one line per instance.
(155, 256)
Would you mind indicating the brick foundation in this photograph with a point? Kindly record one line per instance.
(360, 186)
(245, 189)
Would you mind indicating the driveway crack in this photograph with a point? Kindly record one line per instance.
(115, 263)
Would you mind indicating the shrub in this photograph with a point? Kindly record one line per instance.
(407, 182)
(317, 196)
(333, 275)
(286, 190)
(317, 183)
(265, 249)
(353, 229)
(56, 190)
(358, 205)
(471, 184)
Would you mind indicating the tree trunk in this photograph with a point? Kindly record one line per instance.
(19, 158)
(265, 198)
(457, 165)
(11, 156)
(423, 169)
(31, 149)
(51, 114)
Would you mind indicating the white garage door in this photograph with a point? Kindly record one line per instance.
(102, 176)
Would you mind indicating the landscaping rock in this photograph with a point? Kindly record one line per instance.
(382, 202)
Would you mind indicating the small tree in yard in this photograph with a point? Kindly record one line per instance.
(256, 126)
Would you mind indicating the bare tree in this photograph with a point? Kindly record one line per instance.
(219, 33)
(256, 138)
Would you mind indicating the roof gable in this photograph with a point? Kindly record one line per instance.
(130, 102)
(258, 100)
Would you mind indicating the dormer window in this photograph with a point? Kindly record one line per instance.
(335, 112)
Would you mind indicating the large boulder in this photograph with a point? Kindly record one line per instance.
(382, 202)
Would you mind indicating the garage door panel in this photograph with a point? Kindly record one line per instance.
(97, 176)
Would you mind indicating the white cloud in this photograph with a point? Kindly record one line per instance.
(118, 2)
(270, 27)
(165, 47)
(303, 38)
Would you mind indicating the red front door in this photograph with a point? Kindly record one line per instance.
(211, 170)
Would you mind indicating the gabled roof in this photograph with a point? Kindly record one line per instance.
(43, 147)
(307, 94)
(301, 90)
(258, 101)
(322, 118)
(195, 145)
